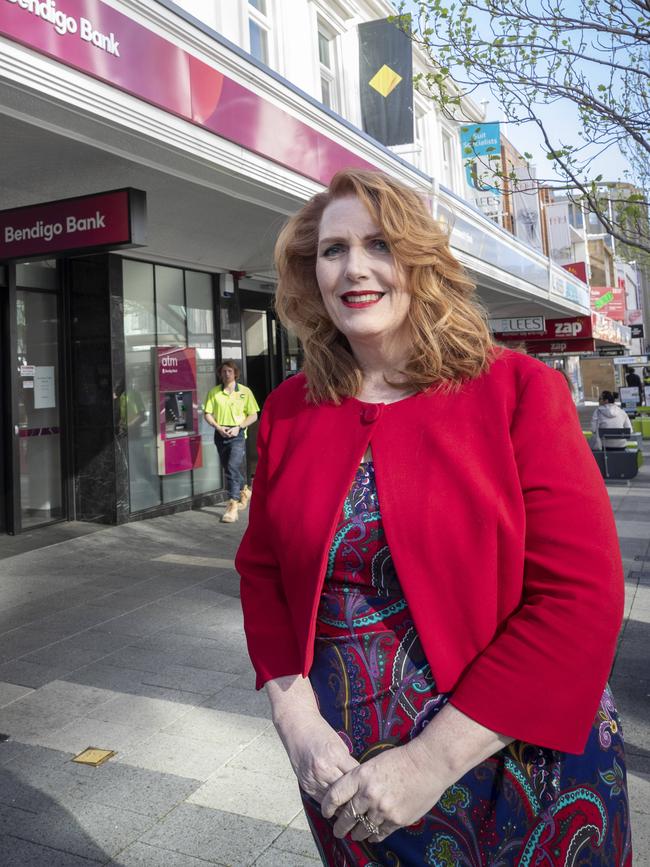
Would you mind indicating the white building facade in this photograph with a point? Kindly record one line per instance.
(223, 116)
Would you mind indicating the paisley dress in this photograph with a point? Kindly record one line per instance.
(526, 806)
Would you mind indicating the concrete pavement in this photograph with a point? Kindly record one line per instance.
(130, 639)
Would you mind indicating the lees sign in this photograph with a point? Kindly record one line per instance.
(112, 219)
(517, 325)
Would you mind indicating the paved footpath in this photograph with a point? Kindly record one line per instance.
(130, 639)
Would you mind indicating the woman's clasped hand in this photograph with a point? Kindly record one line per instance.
(317, 754)
(393, 790)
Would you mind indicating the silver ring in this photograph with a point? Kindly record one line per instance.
(367, 823)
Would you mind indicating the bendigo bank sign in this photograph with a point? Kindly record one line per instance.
(113, 219)
(95, 38)
(63, 24)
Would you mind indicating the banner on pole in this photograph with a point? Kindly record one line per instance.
(525, 207)
(386, 81)
(559, 232)
(481, 147)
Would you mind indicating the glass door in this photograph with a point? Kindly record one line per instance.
(262, 350)
(257, 341)
(37, 398)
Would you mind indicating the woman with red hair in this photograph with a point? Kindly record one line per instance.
(431, 582)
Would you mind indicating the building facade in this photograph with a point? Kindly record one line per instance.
(218, 120)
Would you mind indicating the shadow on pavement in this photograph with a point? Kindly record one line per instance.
(37, 827)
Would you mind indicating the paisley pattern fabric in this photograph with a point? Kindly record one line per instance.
(525, 806)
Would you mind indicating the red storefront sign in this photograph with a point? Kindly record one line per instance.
(578, 269)
(609, 300)
(112, 219)
(96, 39)
(570, 347)
(566, 329)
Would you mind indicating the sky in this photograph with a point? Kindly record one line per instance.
(560, 120)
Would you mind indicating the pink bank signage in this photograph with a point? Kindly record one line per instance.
(176, 368)
(112, 219)
(96, 39)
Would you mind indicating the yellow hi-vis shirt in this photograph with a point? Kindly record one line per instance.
(231, 409)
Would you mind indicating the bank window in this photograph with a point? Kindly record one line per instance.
(259, 27)
(327, 65)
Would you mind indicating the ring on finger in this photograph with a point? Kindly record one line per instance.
(367, 823)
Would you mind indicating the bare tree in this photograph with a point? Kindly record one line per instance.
(537, 53)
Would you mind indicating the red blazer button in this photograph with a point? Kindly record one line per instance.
(370, 414)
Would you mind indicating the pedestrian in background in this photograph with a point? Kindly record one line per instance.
(633, 380)
(431, 580)
(608, 415)
(230, 408)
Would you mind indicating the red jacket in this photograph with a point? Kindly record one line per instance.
(499, 526)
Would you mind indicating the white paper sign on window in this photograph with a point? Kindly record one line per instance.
(44, 389)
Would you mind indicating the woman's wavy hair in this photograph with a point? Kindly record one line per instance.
(450, 340)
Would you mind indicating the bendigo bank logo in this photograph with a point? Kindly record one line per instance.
(63, 24)
(48, 231)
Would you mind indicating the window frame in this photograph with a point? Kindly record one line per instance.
(261, 20)
(328, 73)
(213, 278)
(448, 167)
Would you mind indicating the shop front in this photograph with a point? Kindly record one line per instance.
(583, 347)
(92, 428)
(30, 401)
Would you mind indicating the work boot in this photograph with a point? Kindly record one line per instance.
(232, 512)
(244, 497)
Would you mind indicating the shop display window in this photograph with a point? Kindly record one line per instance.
(165, 309)
(136, 395)
(200, 334)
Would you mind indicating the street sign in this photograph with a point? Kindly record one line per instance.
(608, 351)
(632, 359)
(637, 330)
